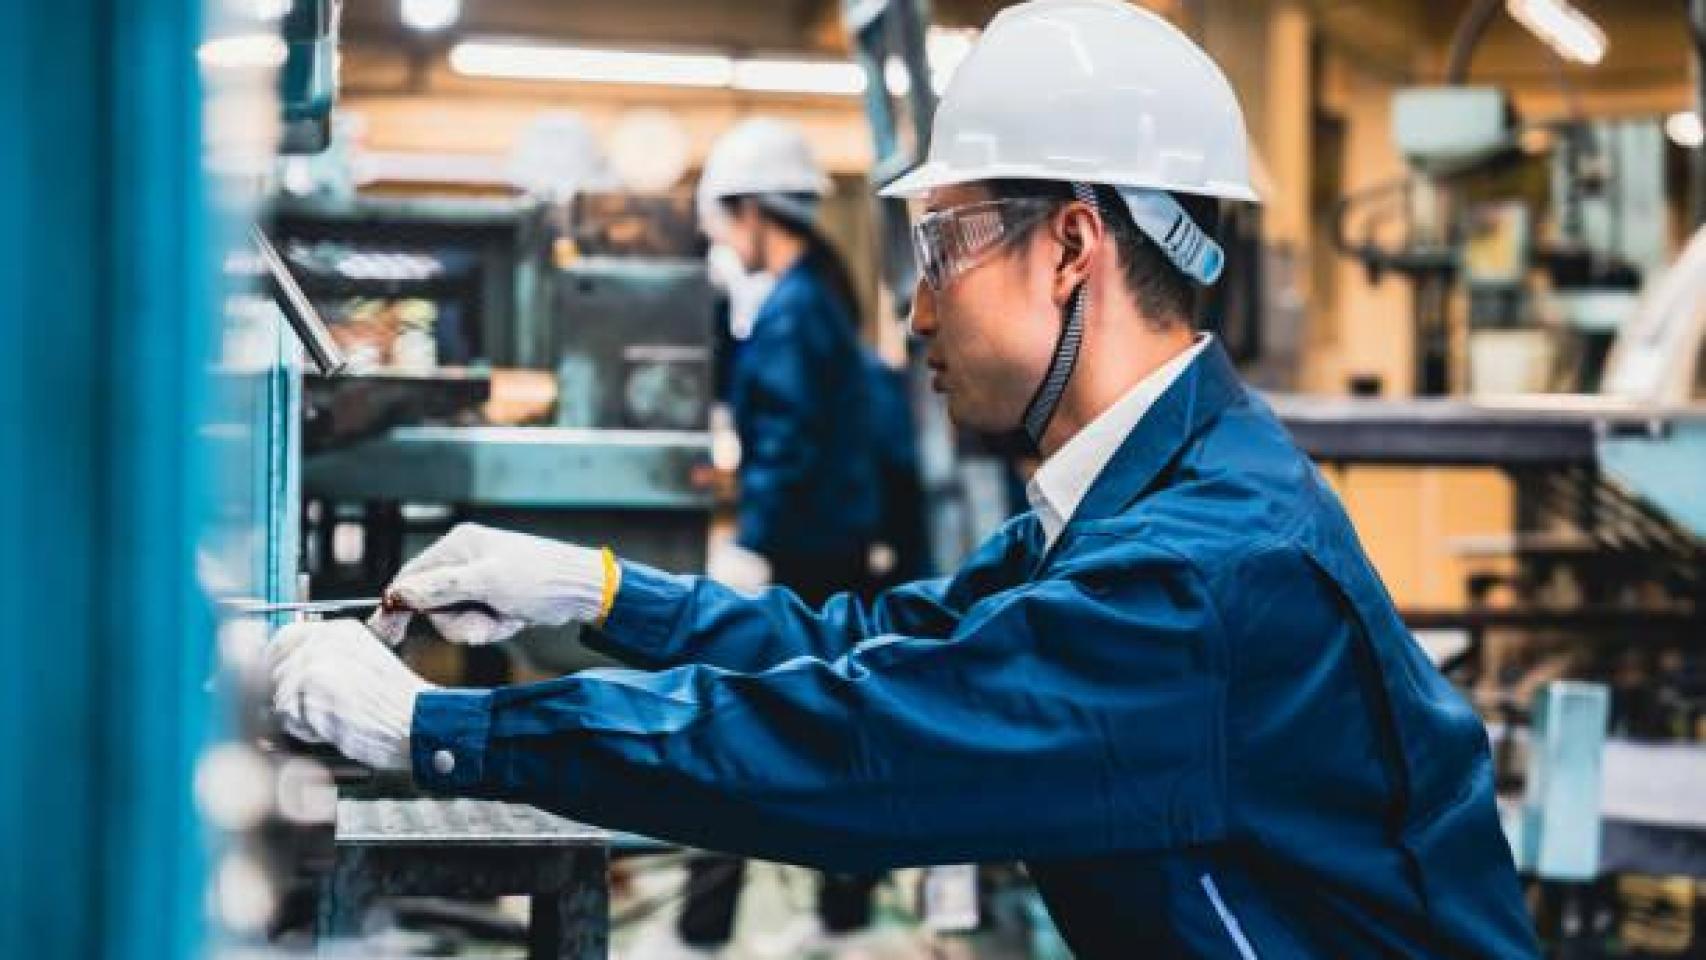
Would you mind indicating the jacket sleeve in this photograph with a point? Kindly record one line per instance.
(1062, 718)
(661, 620)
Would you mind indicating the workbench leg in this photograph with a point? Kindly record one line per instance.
(573, 921)
(346, 895)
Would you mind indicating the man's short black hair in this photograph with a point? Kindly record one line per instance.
(1162, 291)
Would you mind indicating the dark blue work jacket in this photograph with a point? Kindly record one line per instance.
(1197, 719)
(798, 391)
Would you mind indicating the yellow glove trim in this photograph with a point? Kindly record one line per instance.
(612, 580)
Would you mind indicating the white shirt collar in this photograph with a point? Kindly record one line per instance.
(1062, 480)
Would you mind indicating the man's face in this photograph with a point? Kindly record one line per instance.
(992, 331)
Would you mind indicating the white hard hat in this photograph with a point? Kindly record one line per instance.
(1087, 91)
(762, 157)
(558, 156)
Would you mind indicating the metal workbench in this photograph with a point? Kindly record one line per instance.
(1548, 431)
(472, 849)
(1596, 481)
(1654, 808)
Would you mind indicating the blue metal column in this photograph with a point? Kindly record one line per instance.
(106, 309)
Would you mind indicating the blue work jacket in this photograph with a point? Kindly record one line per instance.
(1197, 719)
(798, 391)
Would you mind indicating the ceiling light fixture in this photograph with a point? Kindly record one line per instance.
(430, 16)
(1685, 130)
(524, 61)
(1562, 27)
(826, 77)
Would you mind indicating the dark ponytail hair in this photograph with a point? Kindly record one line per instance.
(821, 257)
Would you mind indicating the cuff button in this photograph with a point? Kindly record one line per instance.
(443, 762)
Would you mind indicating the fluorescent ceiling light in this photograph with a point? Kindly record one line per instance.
(249, 51)
(1561, 27)
(270, 10)
(945, 48)
(532, 61)
(896, 78)
(520, 61)
(829, 77)
(1685, 130)
(430, 15)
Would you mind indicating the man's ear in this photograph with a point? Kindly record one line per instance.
(1080, 232)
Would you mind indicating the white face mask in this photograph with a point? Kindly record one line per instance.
(746, 291)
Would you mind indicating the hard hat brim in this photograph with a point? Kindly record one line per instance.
(934, 174)
(918, 181)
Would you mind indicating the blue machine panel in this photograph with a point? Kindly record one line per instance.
(136, 481)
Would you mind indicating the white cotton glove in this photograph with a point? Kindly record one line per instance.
(501, 581)
(732, 565)
(334, 682)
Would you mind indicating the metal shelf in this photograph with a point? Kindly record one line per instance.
(1549, 432)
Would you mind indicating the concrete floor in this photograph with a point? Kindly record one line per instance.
(777, 898)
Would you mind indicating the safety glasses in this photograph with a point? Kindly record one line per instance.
(950, 242)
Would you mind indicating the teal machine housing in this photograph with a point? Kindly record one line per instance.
(149, 423)
(308, 78)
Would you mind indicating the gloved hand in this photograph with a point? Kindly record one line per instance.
(513, 580)
(732, 565)
(334, 682)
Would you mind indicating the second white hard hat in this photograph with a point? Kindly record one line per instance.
(759, 157)
(1088, 91)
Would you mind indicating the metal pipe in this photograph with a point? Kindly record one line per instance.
(1697, 160)
(260, 608)
(298, 309)
(1468, 36)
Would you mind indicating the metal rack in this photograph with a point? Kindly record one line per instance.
(472, 849)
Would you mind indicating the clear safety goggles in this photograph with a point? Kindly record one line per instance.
(950, 242)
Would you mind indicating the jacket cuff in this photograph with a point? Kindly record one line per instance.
(448, 740)
(644, 615)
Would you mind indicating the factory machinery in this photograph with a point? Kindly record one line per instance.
(568, 395)
(390, 368)
(1601, 584)
(604, 440)
(1581, 639)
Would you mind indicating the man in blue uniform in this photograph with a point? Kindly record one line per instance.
(1176, 688)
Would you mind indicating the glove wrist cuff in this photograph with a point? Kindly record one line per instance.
(612, 581)
(583, 590)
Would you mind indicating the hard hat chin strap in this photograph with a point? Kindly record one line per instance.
(1163, 221)
(1039, 413)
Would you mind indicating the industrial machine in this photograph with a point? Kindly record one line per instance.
(471, 265)
(631, 343)
(413, 318)
(1525, 242)
(615, 453)
(442, 307)
(1558, 342)
(1524, 250)
(1602, 580)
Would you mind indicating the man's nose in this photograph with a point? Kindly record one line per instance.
(922, 322)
